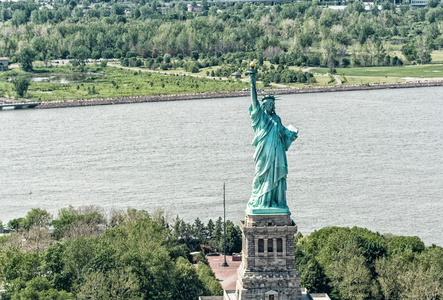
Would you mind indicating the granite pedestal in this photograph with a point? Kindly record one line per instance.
(268, 269)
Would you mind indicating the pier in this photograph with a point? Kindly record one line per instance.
(4, 106)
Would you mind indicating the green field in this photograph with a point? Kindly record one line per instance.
(350, 80)
(421, 71)
(111, 81)
(114, 82)
(321, 81)
(437, 57)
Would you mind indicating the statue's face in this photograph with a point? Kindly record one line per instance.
(268, 107)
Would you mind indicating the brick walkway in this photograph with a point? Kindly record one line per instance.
(226, 275)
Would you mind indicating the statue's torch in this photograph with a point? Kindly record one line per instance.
(251, 72)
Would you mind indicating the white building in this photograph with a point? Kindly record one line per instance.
(3, 63)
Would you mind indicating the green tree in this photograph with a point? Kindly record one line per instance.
(401, 244)
(211, 286)
(15, 224)
(388, 271)
(423, 50)
(80, 54)
(113, 284)
(195, 55)
(135, 13)
(138, 258)
(349, 273)
(19, 17)
(78, 12)
(40, 288)
(25, 58)
(184, 273)
(72, 4)
(303, 41)
(332, 52)
(345, 62)
(210, 227)
(21, 85)
(433, 3)
(218, 232)
(205, 5)
(409, 51)
(194, 68)
(37, 218)
(72, 222)
(167, 58)
(233, 238)
(18, 265)
(118, 9)
(199, 231)
(312, 276)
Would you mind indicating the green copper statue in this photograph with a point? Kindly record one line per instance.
(271, 142)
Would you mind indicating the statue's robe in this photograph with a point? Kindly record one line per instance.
(271, 142)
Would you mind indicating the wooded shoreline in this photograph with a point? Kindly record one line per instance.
(196, 96)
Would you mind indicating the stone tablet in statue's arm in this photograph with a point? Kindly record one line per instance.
(290, 134)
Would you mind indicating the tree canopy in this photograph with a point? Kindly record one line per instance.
(355, 263)
(151, 30)
(136, 257)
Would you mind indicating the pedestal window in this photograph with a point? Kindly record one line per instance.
(270, 245)
(279, 245)
(261, 245)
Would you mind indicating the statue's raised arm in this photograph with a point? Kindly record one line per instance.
(271, 142)
(252, 71)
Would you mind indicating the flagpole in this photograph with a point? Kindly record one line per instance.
(225, 264)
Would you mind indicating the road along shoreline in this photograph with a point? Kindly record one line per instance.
(213, 95)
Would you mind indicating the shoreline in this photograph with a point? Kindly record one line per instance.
(203, 95)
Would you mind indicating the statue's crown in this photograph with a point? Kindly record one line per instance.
(268, 97)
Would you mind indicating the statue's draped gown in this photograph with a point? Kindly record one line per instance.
(271, 142)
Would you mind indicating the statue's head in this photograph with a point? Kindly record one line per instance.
(268, 104)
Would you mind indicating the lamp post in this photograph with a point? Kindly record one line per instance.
(225, 264)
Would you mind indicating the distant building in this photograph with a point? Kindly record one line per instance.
(195, 8)
(165, 9)
(418, 3)
(236, 75)
(3, 63)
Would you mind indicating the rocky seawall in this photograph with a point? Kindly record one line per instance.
(194, 96)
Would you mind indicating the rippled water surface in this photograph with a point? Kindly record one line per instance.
(370, 159)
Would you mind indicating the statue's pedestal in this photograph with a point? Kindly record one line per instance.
(268, 269)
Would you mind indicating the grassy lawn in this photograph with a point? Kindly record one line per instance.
(295, 68)
(321, 81)
(399, 55)
(425, 71)
(351, 80)
(437, 57)
(115, 82)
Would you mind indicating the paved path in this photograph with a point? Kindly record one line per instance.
(226, 275)
(114, 64)
(187, 74)
(158, 71)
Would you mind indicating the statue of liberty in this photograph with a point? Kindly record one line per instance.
(271, 142)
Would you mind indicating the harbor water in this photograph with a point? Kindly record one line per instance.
(371, 159)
